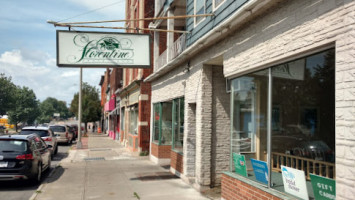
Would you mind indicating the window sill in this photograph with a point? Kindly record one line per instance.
(176, 151)
(258, 186)
(157, 143)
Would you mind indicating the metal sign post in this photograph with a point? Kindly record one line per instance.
(79, 144)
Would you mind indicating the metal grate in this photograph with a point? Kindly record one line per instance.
(94, 158)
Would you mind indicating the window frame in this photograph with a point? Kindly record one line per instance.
(176, 102)
(214, 4)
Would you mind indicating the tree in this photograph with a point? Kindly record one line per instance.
(50, 106)
(91, 108)
(7, 100)
(25, 108)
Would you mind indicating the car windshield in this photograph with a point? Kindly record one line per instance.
(13, 146)
(41, 133)
(58, 128)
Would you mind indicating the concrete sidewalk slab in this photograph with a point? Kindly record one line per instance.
(107, 170)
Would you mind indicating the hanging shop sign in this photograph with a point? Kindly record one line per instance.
(240, 164)
(103, 49)
(260, 170)
(294, 182)
(323, 188)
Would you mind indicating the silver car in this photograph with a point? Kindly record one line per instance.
(45, 133)
(62, 133)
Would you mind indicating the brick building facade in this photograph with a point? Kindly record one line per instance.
(135, 94)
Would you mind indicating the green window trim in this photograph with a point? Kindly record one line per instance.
(169, 129)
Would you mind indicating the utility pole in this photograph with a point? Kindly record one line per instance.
(79, 144)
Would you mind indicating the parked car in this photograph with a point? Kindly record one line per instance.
(62, 133)
(45, 133)
(74, 129)
(23, 157)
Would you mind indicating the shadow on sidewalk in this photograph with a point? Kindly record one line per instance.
(58, 172)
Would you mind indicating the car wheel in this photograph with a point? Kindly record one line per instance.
(38, 176)
(49, 165)
(56, 150)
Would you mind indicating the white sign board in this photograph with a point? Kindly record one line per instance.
(103, 49)
(292, 70)
(294, 182)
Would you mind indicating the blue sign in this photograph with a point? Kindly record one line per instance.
(260, 170)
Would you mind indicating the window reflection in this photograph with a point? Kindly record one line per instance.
(303, 117)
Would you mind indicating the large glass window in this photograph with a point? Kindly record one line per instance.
(178, 124)
(163, 123)
(133, 120)
(302, 107)
(249, 97)
(122, 119)
(168, 123)
(156, 122)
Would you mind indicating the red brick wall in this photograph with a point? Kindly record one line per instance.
(161, 151)
(233, 189)
(176, 161)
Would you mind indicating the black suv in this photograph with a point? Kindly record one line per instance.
(23, 157)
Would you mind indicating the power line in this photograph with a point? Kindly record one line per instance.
(90, 11)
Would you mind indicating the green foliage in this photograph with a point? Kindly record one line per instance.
(26, 106)
(7, 89)
(91, 108)
(50, 106)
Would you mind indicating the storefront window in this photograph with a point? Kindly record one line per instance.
(156, 122)
(249, 97)
(178, 124)
(302, 123)
(166, 123)
(122, 118)
(133, 120)
(168, 120)
(163, 123)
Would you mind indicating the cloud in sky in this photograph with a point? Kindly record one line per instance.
(28, 43)
(39, 72)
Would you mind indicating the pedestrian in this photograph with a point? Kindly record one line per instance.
(93, 128)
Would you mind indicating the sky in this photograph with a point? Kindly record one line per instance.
(28, 42)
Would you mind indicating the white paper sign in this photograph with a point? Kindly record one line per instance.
(294, 182)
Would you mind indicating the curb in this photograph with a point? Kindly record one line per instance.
(34, 195)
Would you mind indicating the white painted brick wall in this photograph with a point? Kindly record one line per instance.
(286, 31)
(295, 28)
(220, 126)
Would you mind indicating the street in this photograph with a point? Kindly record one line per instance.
(23, 190)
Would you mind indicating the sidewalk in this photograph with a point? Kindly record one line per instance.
(106, 170)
